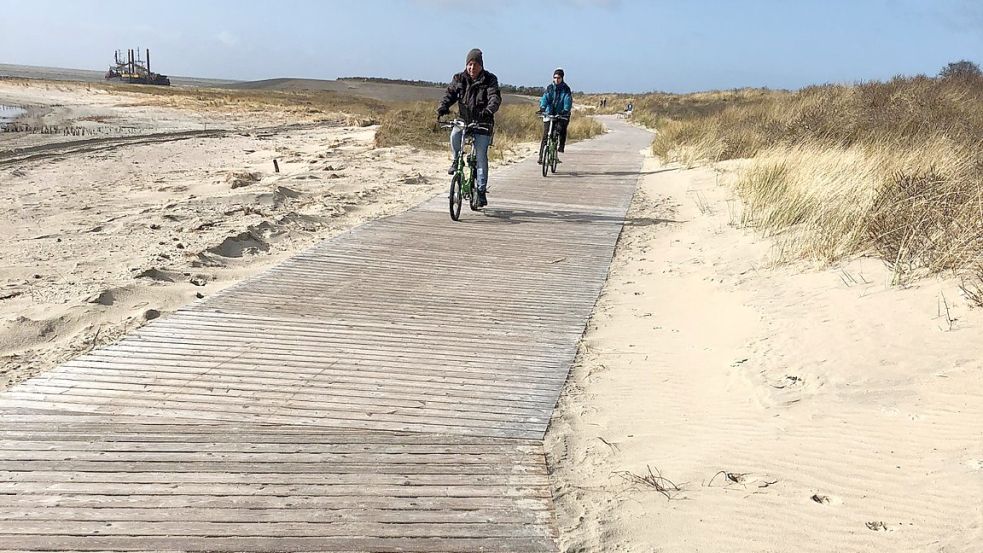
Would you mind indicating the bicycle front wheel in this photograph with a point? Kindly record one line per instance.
(454, 197)
(544, 155)
(554, 159)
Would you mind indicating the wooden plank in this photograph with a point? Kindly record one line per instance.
(351, 472)
(402, 544)
(295, 400)
(218, 349)
(239, 515)
(343, 490)
(275, 414)
(323, 529)
(536, 507)
(295, 373)
(136, 378)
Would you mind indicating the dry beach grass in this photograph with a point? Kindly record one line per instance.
(894, 169)
(515, 124)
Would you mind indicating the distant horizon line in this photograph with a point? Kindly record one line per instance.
(411, 82)
(406, 81)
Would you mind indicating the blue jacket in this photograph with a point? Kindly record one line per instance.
(557, 100)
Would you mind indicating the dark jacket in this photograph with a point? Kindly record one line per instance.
(557, 100)
(477, 99)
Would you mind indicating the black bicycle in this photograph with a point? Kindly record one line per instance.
(548, 153)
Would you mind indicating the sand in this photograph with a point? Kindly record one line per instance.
(795, 408)
(98, 242)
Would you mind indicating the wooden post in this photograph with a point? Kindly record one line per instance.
(276, 166)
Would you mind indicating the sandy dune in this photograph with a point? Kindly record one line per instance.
(795, 409)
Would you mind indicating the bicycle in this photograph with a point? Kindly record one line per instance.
(464, 183)
(548, 151)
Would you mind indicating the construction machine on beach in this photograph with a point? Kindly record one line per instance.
(134, 70)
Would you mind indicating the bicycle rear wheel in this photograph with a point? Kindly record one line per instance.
(454, 197)
(473, 197)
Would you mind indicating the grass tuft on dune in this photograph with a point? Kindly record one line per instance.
(415, 124)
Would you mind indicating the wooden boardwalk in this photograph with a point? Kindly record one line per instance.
(385, 390)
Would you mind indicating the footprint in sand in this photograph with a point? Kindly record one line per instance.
(744, 479)
(158, 275)
(788, 381)
(878, 526)
(245, 243)
(239, 179)
(826, 499)
(106, 297)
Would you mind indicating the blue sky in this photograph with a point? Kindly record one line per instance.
(604, 45)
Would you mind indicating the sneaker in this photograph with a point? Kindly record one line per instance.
(539, 161)
(560, 150)
(453, 168)
(482, 200)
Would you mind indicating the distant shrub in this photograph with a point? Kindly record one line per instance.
(960, 69)
(415, 125)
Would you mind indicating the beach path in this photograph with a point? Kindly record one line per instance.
(386, 390)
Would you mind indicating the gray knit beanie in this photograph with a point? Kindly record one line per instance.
(475, 56)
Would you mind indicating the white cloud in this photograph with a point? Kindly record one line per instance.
(228, 39)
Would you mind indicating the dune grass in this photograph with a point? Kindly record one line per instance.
(415, 124)
(892, 169)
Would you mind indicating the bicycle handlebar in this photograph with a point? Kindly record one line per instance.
(550, 117)
(462, 125)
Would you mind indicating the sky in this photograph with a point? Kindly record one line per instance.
(603, 45)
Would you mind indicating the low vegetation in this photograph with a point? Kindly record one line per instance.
(306, 105)
(505, 88)
(893, 169)
(415, 124)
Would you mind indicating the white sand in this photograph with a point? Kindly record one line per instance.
(796, 409)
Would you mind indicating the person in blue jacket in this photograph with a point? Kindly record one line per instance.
(557, 100)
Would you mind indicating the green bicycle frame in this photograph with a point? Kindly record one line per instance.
(465, 162)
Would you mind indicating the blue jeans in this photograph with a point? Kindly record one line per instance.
(481, 143)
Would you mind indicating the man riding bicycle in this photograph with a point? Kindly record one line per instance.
(478, 98)
(557, 100)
